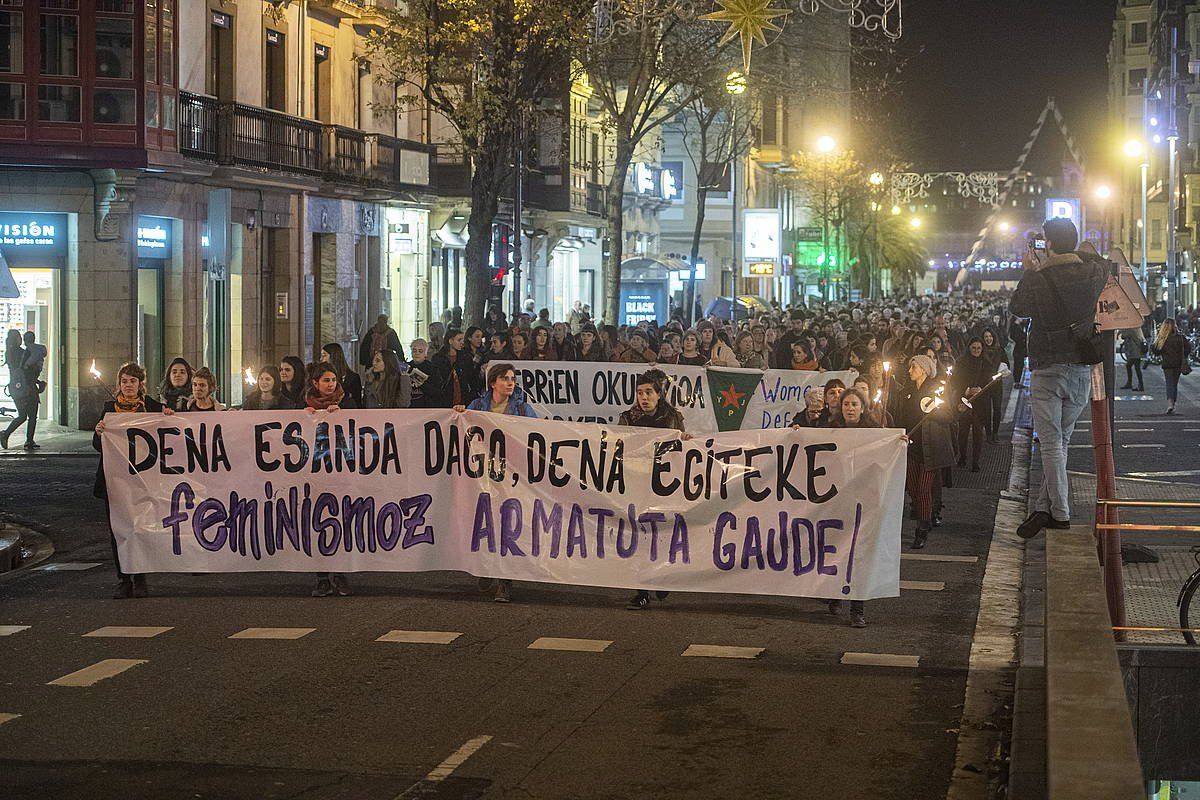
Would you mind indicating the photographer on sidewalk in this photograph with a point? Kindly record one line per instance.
(1058, 293)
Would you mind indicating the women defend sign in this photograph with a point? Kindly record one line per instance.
(812, 513)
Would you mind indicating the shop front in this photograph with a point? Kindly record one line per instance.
(36, 247)
(155, 240)
(406, 279)
(645, 286)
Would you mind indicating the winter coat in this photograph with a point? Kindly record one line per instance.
(932, 445)
(100, 487)
(665, 417)
(440, 394)
(518, 406)
(1174, 352)
(1079, 284)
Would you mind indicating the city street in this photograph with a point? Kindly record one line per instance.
(700, 696)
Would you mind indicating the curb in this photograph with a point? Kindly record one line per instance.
(37, 546)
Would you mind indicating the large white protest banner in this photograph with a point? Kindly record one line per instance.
(711, 398)
(811, 512)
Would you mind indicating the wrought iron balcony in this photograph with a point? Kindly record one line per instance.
(247, 136)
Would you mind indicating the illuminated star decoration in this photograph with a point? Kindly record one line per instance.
(749, 20)
(731, 397)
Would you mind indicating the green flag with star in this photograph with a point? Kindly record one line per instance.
(731, 390)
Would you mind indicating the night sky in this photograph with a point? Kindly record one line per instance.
(987, 67)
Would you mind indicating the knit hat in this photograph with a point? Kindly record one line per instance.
(926, 364)
(541, 323)
(587, 327)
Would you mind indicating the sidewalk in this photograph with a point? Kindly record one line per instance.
(55, 440)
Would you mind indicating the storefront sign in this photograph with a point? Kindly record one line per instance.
(804, 513)
(33, 240)
(154, 238)
(1066, 208)
(760, 269)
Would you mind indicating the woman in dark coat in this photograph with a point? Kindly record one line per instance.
(854, 413)
(292, 377)
(175, 391)
(456, 379)
(1175, 351)
(332, 353)
(995, 354)
(130, 399)
(651, 410)
(930, 449)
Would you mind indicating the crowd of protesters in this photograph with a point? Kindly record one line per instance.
(925, 364)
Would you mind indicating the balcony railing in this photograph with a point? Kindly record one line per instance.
(248, 136)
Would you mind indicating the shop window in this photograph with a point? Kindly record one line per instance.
(12, 101)
(114, 106)
(12, 41)
(58, 103)
(60, 44)
(114, 48)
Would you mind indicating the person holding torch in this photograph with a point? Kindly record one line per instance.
(926, 416)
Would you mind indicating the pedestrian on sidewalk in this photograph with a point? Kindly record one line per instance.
(502, 396)
(651, 409)
(1058, 293)
(1133, 345)
(130, 399)
(1175, 351)
(21, 390)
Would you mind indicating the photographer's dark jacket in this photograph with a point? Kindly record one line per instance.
(1079, 284)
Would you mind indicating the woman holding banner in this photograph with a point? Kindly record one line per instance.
(502, 396)
(130, 399)
(326, 393)
(292, 374)
(651, 410)
(854, 413)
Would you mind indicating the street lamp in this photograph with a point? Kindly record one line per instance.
(825, 146)
(735, 82)
(735, 85)
(915, 222)
(1102, 192)
(1134, 148)
(1004, 226)
(876, 179)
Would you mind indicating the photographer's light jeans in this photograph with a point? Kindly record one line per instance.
(1058, 395)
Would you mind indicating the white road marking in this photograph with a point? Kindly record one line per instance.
(1179, 473)
(880, 660)
(1135, 430)
(128, 632)
(97, 672)
(1144, 445)
(4, 717)
(68, 566)
(936, 557)
(419, 637)
(272, 633)
(721, 651)
(922, 586)
(1191, 430)
(9, 630)
(1087, 446)
(574, 645)
(457, 758)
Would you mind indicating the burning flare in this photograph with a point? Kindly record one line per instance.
(250, 377)
(95, 373)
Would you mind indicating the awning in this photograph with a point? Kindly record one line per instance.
(650, 268)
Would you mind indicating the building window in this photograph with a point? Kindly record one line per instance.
(151, 108)
(1156, 234)
(168, 112)
(150, 43)
(58, 103)
(1138, 33)
(167, 66)
(114, 106)
(12, 47)
(1136, 78)
(12, 101)
(114, 48)
(275, 75)
(60, 44)
(219, 83)
(322, 83)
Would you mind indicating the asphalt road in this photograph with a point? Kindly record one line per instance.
(336, 713)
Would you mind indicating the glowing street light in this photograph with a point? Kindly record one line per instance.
(1004, 226)
(876, 178)
(1134, 148)
(826, 144)
(1103, 192)
(915, 222)
(735, 82)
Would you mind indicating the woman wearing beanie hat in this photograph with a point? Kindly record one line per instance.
(931, 447)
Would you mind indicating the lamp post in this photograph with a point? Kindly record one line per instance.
(825, 146)
(876, 180)
(1135, 149)
(735, 84)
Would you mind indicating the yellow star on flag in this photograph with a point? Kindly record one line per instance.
(748, 19)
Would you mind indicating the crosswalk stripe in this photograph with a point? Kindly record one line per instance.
(127, 632)
(419, 637)
(574, 645)
(1135, 430)
(97, 672)
(5, 717)
(272, 633)
(9, 630)
(922, 586)
(936, 557)
(880, 660)
(68, 566)
(1143, 445)
(721, 651)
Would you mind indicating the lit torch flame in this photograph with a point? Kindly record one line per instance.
(887, 365)
(95, 373)
(878, 395)
(250, 376)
